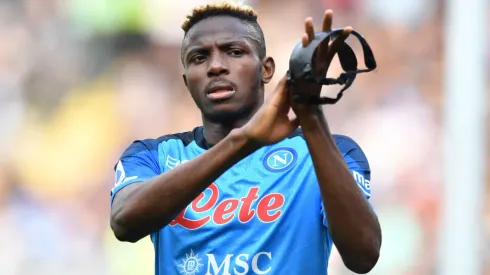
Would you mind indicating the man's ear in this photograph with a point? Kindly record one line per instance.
(268, 69)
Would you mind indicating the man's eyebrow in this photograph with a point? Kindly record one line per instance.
(224, 44)
(193, 49)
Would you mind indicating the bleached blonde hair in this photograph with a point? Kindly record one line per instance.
(224, 8)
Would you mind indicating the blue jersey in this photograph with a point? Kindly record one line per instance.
(264, 215)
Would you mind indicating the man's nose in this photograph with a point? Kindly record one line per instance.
(217, 66)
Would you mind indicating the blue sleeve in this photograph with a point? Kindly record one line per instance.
(358, 165)
(139, 162)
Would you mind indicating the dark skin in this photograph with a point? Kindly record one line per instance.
(353, 225)
(226, 53)
(221, 48)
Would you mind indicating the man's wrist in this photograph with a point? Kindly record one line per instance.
(309, 115)
(238, 139)
(308, 110)
(311, 118)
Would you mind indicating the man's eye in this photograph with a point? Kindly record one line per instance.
(198, 58)
(236, 52)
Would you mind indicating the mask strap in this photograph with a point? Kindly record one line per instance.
(347, 60)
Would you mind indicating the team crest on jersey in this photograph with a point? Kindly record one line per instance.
(191, 264)
(280, 159)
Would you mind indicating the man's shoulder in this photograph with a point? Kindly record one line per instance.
(348, 147)
(151, 144)
(340, 140)
(345, 142)
(185, 137)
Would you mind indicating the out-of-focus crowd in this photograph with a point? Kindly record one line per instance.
(80, 80)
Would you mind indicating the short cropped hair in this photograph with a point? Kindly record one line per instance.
(242, 12)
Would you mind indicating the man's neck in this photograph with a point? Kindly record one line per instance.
(215, 132)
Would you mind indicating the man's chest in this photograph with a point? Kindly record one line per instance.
(258, 191)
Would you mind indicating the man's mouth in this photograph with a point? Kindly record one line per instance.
(220, 92)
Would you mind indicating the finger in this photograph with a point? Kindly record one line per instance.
(338, 41)
(279, 95)
(281, 85)
(310, 31)
(333, 47)
(304, 40)
(346, 32)
(327, 21)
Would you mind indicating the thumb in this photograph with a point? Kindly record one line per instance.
(279, 96)
(339, 40)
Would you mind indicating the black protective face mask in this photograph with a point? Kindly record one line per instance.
(300, 67)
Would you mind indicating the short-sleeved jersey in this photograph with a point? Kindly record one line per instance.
(264, 215)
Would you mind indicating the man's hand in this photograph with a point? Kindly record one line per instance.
(324, 53)
(271, 123)
(353, 226)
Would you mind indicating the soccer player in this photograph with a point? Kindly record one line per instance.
(249, 192)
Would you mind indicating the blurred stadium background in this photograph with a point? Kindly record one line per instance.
(81, 79)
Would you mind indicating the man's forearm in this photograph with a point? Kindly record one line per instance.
(352, 223)
(154, 204)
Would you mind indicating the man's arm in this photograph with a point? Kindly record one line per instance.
(144, 207)
(150, 205)
(353, 225)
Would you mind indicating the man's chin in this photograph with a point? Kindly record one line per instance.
(226, 113)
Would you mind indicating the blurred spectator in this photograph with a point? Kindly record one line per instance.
(80, 80)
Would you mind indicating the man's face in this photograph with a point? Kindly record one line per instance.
(222, 68)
